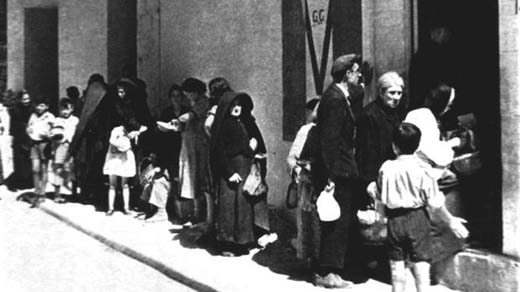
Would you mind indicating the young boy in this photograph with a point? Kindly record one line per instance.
(38, 129)
(406, 188)
(306, 242)
(61, 135)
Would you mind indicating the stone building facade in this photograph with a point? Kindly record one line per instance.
(263, 48)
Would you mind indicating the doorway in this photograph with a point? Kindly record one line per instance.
(473, 63)
(41, 53)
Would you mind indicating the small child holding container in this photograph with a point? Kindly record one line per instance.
(38, 129)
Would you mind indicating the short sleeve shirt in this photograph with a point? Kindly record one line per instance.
(406, 182)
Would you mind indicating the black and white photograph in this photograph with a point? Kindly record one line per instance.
(245, 145)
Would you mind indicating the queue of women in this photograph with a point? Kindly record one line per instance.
(203, 153)
(194, 159)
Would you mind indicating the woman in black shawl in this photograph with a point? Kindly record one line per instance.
(231, 158)
(90, 142)
(21, 178)
(257, 144)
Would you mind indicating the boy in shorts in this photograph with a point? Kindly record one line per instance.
(61, 135)
(38, 129)
(406, 189)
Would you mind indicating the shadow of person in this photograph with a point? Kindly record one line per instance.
(196, 239)
(26, 197)
(280, 258)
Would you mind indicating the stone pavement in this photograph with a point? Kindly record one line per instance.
(175, 253)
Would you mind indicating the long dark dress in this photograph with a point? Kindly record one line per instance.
(168, 147)
(230, 153)
(375, 127)
(136, 93)
(22, 175)
(90, 142)
(260, 203)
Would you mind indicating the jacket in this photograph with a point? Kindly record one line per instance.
(335, 127)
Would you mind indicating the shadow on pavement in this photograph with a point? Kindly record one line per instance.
(280, 258)
(195, 239)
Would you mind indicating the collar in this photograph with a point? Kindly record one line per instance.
(344, 90)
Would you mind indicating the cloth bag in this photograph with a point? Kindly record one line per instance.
(119, 140)
(254, 184)
(291, 199)
(372, 222)
(327, 207)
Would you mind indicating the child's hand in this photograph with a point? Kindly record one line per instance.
(456, 225)
(372, 190)
(235, 178)
(253, 144)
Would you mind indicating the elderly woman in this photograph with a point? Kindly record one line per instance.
(231, 159)
(376, 125)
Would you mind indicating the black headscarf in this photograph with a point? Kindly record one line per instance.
(219, 131)
(250, 123)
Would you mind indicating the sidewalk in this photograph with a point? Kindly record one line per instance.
(175, 253)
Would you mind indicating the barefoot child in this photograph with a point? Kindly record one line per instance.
(406, 187)
(61, 135)
(38, 129)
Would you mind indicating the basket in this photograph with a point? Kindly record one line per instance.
(467, 164)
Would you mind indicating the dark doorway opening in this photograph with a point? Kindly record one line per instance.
(472, 64)
(41, 53)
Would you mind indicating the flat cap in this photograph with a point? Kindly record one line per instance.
(345, 62)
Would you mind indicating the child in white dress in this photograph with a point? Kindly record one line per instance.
(119, 163)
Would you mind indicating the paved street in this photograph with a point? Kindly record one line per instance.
(40, 253)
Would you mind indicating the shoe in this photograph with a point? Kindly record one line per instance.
(228, 254)
(331, 281)
(59, 200)
(127, 212)
(266, 239)
(202, 227)
(109, 212)
(36, 201)
(160, 216)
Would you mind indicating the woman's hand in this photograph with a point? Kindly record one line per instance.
(235, 178)
(185, 117)
(455, 142)
(133, 134)
(253, 144)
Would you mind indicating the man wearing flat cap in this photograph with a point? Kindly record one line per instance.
(340, 241)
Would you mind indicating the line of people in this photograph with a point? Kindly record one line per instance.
(207, 155)
(196, 157)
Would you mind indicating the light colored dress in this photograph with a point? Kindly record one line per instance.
(117, 162)
(431, 148)
(194, 169)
